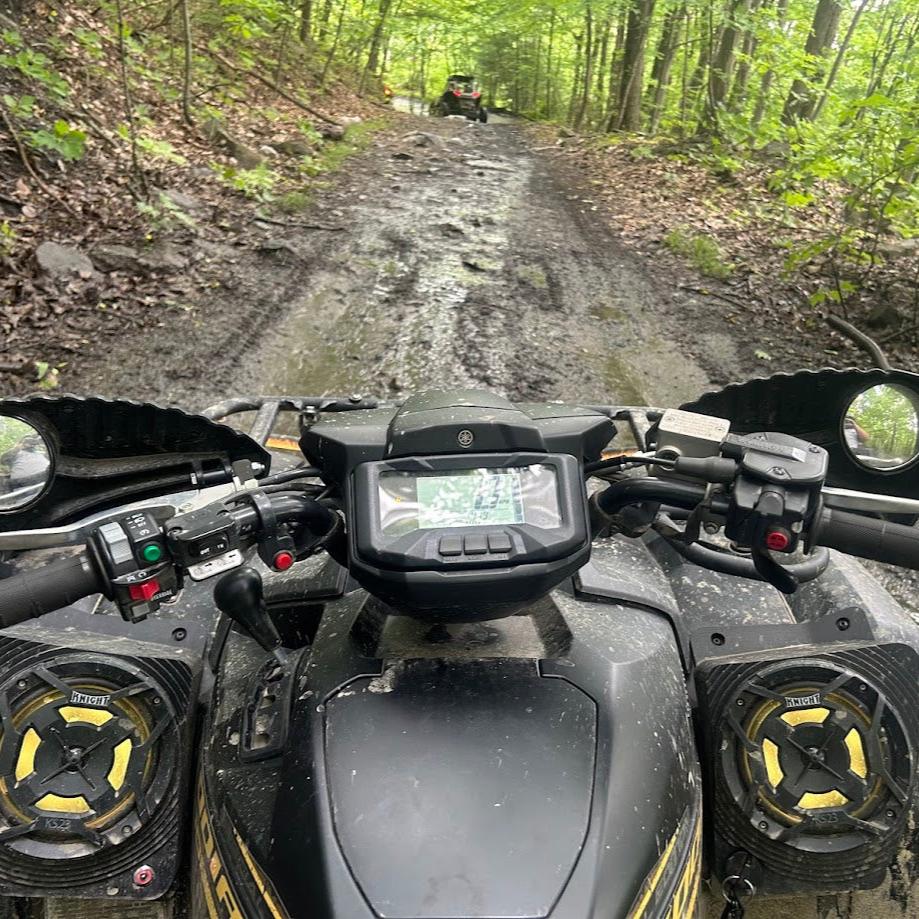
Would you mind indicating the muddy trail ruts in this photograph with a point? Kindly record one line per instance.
(455, 257)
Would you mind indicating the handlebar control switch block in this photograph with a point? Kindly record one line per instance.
(775, 497)
(202, 535)
(138, 573)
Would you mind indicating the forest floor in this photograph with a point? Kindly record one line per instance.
(446, 253)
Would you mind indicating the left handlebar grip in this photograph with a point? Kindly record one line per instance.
(35, 593)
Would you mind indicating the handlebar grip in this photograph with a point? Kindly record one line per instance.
(34, 593)
(868, 537)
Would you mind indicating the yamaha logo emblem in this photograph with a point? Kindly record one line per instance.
(465, 438)
(802, 701)
(82, 698)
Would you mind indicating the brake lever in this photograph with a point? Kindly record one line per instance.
(76, 534)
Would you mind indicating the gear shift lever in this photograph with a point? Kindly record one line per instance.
(239, 595)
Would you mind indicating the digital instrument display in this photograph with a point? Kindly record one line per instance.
(468, 497)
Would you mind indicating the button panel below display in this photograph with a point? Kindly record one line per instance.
(474, 544)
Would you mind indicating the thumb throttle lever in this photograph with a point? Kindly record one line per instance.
(239, 595)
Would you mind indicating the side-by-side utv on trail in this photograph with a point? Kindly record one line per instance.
(461, 97)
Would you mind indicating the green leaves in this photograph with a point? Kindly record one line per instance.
(257, 183)
(20, 107)
(35, 66)
(67, 142)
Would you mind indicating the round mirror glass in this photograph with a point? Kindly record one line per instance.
(881, 427)
(25, 464)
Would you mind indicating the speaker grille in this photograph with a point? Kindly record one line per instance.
(92, 764)
(813, 768)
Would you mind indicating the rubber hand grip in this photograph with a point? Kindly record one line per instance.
(868, 537)
(34, 593)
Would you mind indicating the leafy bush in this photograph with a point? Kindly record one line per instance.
(163, 214)
(701, 251)
(293, 202)
(257, 183)
(67, 142)
(154, 148)
(34, 65)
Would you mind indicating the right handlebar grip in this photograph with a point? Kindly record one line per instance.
(34, 593)
(869, 537)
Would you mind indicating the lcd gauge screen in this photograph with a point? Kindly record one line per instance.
(469, 497)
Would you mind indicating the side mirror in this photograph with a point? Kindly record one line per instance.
(867, 420)
(26, 464)
(880, 428)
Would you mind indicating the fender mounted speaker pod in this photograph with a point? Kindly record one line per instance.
(810, 763)
(94, 753)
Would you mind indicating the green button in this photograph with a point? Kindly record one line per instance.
(152, 552)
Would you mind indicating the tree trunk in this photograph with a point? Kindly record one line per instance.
(765, 85)
(742, 77)
(373, 56)
(633, 63)
(663, 64)
(306, 19)
(602, 64)
(719, 77)
(709, 39)
(576, 82)
(335, 42)
(615, 72)
(840, 54)
(324, 18)
(801, 101)
(186, 69)
(588, 67)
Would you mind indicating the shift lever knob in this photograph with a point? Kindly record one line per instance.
(239, 595)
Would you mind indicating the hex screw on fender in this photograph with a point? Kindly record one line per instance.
(842, 624)
(143, 876)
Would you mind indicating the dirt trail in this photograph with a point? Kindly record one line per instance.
(468, 260)
(471, 264)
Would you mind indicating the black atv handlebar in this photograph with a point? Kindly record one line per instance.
(867, 537)
(854, 534)
(35, 593)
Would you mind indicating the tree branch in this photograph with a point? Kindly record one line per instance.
(270, 84)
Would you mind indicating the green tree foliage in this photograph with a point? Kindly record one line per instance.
(827, 89)
(885, 426)
(829, 84)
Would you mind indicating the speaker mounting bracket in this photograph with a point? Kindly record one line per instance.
(846, 626)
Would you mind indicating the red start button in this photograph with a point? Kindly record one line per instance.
(146, 590)
(283, 560)
(778, 540)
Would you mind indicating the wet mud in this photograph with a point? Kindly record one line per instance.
(469, 265)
